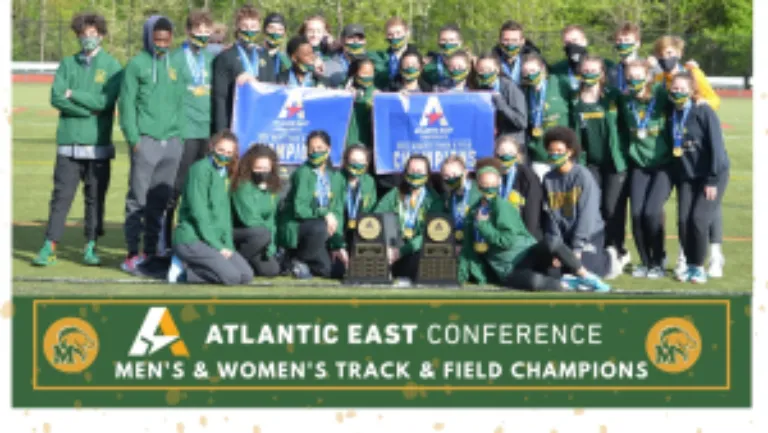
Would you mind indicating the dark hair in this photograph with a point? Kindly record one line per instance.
(565, 135)
(83, 21)
(163, 24)
(357, 64)
(489, 162)
(353, 148)
(321, 134)
(403, 187)
(601, 62)
(628, 28)
(226, 134)
(460, 53)
(687, 76)
(294, 43)
(197, 18)
(411, 53)
(245, 167)
(511, 25)
(246, 12)
(472, 79)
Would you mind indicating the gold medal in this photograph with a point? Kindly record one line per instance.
(678, 152)
(459, 235)
(408, 233)
(642, 133)
(537, 132)
(352, 224)
(481, 247)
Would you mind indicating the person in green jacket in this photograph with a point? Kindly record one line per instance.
(152, 119)
(575, 45)
(436, 71)
(460, 192)
(302, 72)
(361, 85)
(313, 212)
(547, 107)
(195, 69)
(595, 111)
(642, 127)
(359, 197)
(388, 61)
(84, 91)
(255, 199)
(412, 200)
(202, 243)
(274, 35)
(497, 248)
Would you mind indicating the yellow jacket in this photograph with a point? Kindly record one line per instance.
(705, 89)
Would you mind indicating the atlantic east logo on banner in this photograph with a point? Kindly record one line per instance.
(148, 341)
(282, 117)
(434, 125)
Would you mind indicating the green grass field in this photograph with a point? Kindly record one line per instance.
(34, 150)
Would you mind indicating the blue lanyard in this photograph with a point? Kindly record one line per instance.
(252, 66)
(620, 78)
(483, 210)
(678, 125)
(394, 65)
(197, 69)
(353, 205)
(572, 79)
(294, 82)
(278, 63)
(411, 214)
(497, 86)
(323, 188)
(514, 72)
(537, 110)
(344, 64)
(460, 209)
(509, 182)
(642, 123)
(440, 68)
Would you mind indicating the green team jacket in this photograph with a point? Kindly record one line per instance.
(656, 149)
(556, 113)
(197, 97)
(152, 106)
(598, 128)
(256, 207)
(94, 89)
(205, 211)
(361, 122)
(392, 202)
(507, 238)
(472, 199)
(300, 204)
(560, 71)
(368, 199)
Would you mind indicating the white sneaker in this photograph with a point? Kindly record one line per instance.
(616, 267)
(682, 275)
(402, 283)
(681, 268)
(625, 259)
(655, 273)
(716, 265)
(176, 271)
(640, 271)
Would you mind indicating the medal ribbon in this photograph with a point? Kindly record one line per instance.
(537, 109)
(323, 188)
(642, 124)
(573, 80)
(394, 65)
(514, 72)
(411, 213)
(678, 125)
(622, 82)
(294, 82)
(353, 205)
(196, 68)
(509, 182)
(252, 66)
(460, 209)
(483, 210)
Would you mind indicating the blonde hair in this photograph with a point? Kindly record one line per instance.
(665, 42)
(502, 139)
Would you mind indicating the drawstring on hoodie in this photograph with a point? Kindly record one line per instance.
(154, 66)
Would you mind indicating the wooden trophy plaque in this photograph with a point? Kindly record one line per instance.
(438, 264)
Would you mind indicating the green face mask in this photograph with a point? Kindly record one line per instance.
(557, 160)
(489, 193)
(453, 183)
(356, 169)
(416, 180)
(248, 36)
(590, 80)
(487, 80)
(534, 79)
(625, 50)
(635, 86)
(410, 74)
(679, 98)
(199, 41)
(221, 160)
(508, 160)
(449, 48)
(459, 75)
(511, 50)
(160, 50)
(364, 81)
(396, 43)
(355, 47)
(90, 44)
(306, 67)
(318, 158)
(274, 39)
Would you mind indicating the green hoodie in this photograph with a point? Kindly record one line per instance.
(556, 113)
(656, 148)
(81, 132)
(361, 123)
(197, 96)
(368, 198)
(597, 126)
(392, 202)
(472, 199)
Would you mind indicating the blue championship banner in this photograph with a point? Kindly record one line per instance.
(434, 125)
(282, 118)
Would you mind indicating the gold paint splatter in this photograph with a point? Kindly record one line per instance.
(553, 431)
(499, 429)
(381, 416)
(189, 314)
(203, 421)
(173, 397)
(453, 317)
(603, 429)
(668, 398)
(601, 306)
(7, 311)
(256, 429)
(275, 398)
(83, 312)
(339, 417)
(368, 358)
(319, 401)
(411, 390)
(438, 426)
(183, 395)
(88, 376)
(625, 310)
(435, 304)
(318, 320)
(698, 430)
(525, 398)
(96, 308)
(748, 310)
(612, 359)
(180, 427)
(423, 392)
(226, 419)
(714, 346)
(119, 396)
(351, 414)
(211, 400)
(690, 374)
(436, 362)
(570, 396)
(289, 348)
(26, 412)
(762, 308)
(205, 347)
(578, 412)
(78, 404)
(621, 331)
(211, 310)
(46, 428)
(103, 319)
(354, 303)
(214, 379)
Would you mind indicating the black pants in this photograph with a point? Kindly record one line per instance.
(67, 175)
(614, 204)
(252, 243)
(594, 257)
(407, 266)
(696, 215)
(530, 272)
(195, 149)
(312, 249)
(649, 190)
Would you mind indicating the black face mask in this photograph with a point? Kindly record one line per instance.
(668, 63)
(575, 54)
(259, 177)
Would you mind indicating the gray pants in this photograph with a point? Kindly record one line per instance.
(251, 243)
(206, 265)
(153, 173)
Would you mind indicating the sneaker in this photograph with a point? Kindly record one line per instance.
(681, 268)
(616, 268)
(46, 256)
(570, 282)
(177, 272)
(716, 265)
(300, 270)
(402, 283)
(596, 284)
(697, 275)
(625, 259)
(640, 271)
(90, 257)
(132, 262)
(664, 260)
(656, 272)
(682, 275)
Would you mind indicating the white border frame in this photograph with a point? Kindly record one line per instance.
(405, 420)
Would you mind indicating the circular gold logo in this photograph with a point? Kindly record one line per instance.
(673, 345)
(439, 229)
(71, 345)
(369, 228)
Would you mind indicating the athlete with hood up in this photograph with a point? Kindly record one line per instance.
(151, 117)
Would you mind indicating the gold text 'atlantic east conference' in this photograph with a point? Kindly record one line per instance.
(406, 333)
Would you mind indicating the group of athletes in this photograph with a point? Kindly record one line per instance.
(575, 140)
